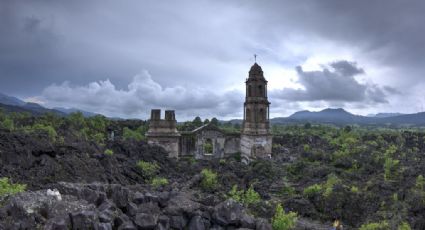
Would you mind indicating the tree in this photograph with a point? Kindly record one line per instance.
(307, 125)
(77, 120)
(206, 121)
(8, 124)
(282, 220)
(214, 121)
(197, 121)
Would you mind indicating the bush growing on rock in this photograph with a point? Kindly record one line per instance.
(109, 152)
(148, 169)
(8, 124)
(404, 226)
(312, 190)
(209, 179)
(48, 129)
(236, 194)
(375, 226)
(420, 183)
(7, 188)
(251, 196)
(158, 182)
(282, 220)
(390, 168)
(247, 197)
(136, 135)
(330, 183)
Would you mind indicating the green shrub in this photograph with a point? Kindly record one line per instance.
(420, 183)
(306, 148)
(7, 188)
(158, 182)
(375, 226)
(209, 179)
(328, 186)
(354, 189)
(109, 152)
(251, 196)
(99, 138)
(282, 220)
(137, 135)
(148, 169)
(8, 124)
(404, 226)
(48, 129)
(235, 194)
(390, 168)
(247, 197)
(312, 190)
(287, 190)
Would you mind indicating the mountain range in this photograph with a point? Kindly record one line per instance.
(330, 116)
(341, 117)
(13, 104)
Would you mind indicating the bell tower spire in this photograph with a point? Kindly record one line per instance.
(256, 140)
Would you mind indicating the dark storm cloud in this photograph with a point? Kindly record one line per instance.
(203, 44)
(335, 83)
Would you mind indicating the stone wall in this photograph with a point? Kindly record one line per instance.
(163, 132)
(232, 145)
(170, 144)
(217, 140)
(256, 146)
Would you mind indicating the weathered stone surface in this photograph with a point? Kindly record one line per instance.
(145, 221)
(84, 220)
(247, 221)
(228, 212)
(198, 223)
(127, 226)
(181, 204)
(262, 224)
(178, 222)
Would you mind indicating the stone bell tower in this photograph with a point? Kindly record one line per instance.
(256, 139)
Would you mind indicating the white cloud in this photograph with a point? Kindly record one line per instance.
(141, 95)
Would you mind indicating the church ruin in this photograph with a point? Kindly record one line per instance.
(208, 141)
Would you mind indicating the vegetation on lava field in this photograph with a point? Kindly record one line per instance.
(367, 177)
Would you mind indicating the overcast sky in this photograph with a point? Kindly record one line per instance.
(122, 58)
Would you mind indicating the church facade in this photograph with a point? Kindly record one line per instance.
(208, 141)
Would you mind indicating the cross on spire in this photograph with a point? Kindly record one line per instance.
(255, 57)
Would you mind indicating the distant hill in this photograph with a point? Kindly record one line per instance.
(13, 104)
(73, 110)
(8, 100)
(32, 108)
(334, 116)
(385, 115)
(341, 117)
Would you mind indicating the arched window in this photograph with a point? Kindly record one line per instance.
(260, 91)
(248, 115)
(249, 91)
(208, 147)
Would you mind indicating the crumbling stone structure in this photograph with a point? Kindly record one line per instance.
(163, 132)
(256, 139)
(208, 141)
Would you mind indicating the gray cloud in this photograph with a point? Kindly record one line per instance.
(209, 44)
(335, 83)
(141, 95)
